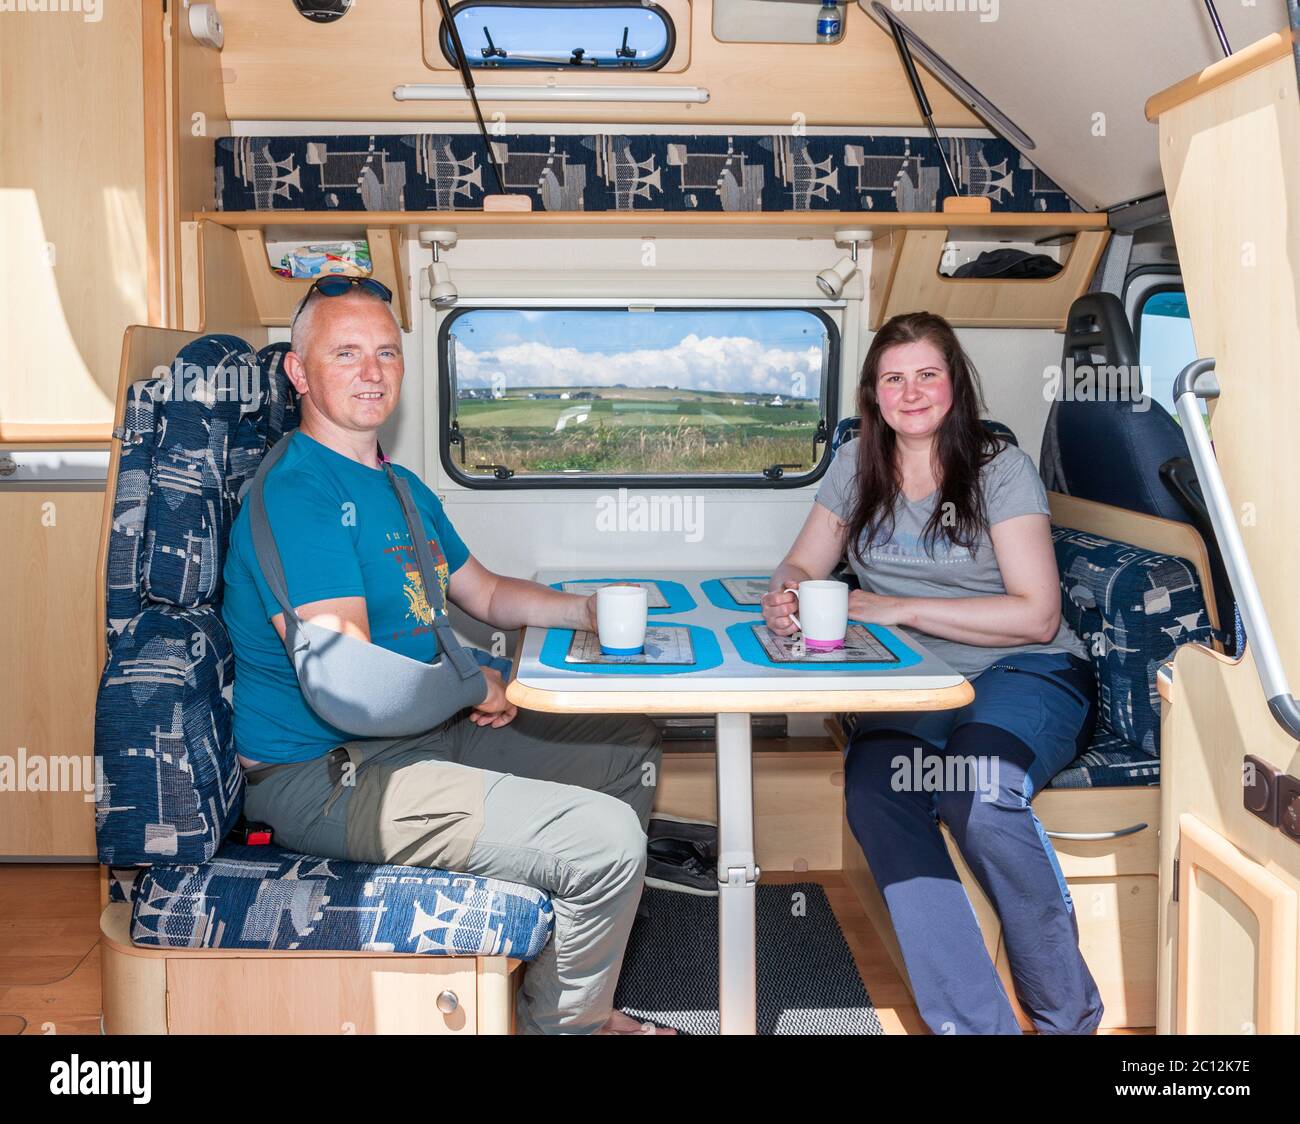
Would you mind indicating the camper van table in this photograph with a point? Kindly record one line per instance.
(732, 676)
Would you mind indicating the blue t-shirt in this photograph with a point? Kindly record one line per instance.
(340, 531)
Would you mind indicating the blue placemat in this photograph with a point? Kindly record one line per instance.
(677, 595)
(718, 596)
(751, 651)
(707, 655)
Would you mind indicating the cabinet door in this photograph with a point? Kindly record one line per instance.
(1236, 939)
(319, 995)
(48, 677)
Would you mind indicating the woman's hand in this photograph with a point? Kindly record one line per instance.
(589, 614)
(777, 606)
(495, 710)
(872, 608)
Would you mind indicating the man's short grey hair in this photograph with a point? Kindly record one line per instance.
(304, 315)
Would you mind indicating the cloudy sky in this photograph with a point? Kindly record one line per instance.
(740, 352)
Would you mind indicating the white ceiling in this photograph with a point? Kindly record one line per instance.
(1052, 65)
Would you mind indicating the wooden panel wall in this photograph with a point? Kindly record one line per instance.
(72, 176)
(280, 67)
(1230, 153)
(1231, 161)
(196, 117)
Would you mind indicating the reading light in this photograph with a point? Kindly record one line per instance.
(442, 291)
(832, 281)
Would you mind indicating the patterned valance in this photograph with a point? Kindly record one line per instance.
(610, 172)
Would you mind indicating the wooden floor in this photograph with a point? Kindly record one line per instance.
(49, 950)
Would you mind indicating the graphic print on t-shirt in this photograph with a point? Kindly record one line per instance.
(417, 601)
(908, 547)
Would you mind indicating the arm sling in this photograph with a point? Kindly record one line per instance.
(356, 686)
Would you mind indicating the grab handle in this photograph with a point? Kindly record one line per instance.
(1094, 836)
(1196, 381)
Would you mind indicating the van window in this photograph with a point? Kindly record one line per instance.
(574, 396)
(514, 35)
(1165, 344)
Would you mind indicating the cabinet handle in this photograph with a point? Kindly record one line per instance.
(447, 1002)
(1094, 836)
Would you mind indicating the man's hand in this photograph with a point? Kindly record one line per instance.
(495, 710)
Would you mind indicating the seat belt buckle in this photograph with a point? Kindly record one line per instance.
(251, 833)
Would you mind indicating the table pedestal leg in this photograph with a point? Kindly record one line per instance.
(737, 876)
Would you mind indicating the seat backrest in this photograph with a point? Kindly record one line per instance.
(1133, 608)
(170, 785)
(1105, 440)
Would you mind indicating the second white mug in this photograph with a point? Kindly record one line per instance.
(824, 607)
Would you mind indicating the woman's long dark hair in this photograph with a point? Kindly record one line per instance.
(962, 446)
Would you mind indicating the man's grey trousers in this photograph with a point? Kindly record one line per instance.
(559, 802)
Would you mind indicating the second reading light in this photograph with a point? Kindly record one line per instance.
(442, 290)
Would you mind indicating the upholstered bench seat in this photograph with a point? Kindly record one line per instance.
(169, 785)
(270, 898)
(1133, 608)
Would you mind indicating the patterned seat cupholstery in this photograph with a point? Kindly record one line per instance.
(170, 786)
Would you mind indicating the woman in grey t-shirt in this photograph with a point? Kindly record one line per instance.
(948, 532)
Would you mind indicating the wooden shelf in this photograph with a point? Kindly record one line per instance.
(905, 277)
(907, 247)
(275, 297)
(711, 224)
(213, 251)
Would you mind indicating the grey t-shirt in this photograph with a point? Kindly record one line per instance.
(901, 567)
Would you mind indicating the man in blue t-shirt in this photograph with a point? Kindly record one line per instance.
(559, 802)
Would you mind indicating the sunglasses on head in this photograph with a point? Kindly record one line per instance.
(335, 285)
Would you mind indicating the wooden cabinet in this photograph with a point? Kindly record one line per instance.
(48, 675)
(1236, 939)
(232, 991)
(1113, 884)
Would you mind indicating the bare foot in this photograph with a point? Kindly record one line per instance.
(620, 1023)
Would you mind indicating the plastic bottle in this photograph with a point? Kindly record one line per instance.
(830, 22)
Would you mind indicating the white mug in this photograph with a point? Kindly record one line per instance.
(621, 612)
(825, 609)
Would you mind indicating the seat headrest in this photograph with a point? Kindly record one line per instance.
(205, 429)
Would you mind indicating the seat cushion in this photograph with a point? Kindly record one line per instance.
(1109, 762)
(169, 786)
(272, 898)
(1132, 607)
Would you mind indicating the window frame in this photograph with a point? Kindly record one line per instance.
(829, 397)
(670, 45)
